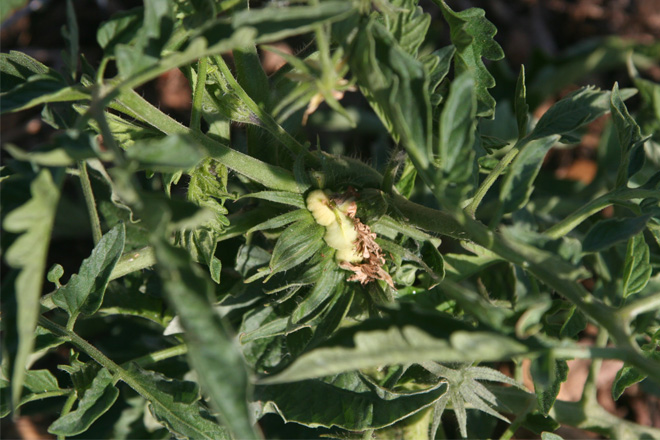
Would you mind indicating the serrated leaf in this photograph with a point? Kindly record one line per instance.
(98, 399)
(472, 35)
(40, 89)
(211, 350)
(637, 269)
(172, 404)
(573, 111)
(28, 252)
(297, 243)
(395, 85)
(548, 375)
(608, 232)
(347, 403)
(84, 291)
(169, 154)
(408, 23)
(397, 338)
(518, 183)
(455, 142)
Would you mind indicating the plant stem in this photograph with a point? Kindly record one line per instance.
(90, 202)
(263, 117)
(268, 175)
(471, 208)
(572, 221)
(647, 304)
(133, 261)
(161, 355)
(554, 272)
(589, 392)
(198, 95)
(66, 409)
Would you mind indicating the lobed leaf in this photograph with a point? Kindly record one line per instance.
(98, 399)
(472, 35)
(175, 404)
(211, 350)
(84, 291)
(34, 219)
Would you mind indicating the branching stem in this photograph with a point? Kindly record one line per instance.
(90, 202)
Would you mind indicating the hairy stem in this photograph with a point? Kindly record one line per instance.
(268, 175)
(133, 261)
(90, 202)
(589, 392)
(198, 95)
(572, 221)
(471, 208)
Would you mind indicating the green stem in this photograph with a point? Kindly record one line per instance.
(161, 355)
(90, 202)
(223, 74)
(66, 409)
(572, 221)
(589, 391)
(268, 175)
(554, 272)
(647, 304)
(471, 208)
(198, 95)
(133, 261)
(520, 418)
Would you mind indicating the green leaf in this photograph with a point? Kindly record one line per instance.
(408, 23)
(278, 22)
(145, 49)
(538, 423)
(629, 136)
(282, 220)
(28, 253)
(518, 183)
(472, 35)
(297, 244)
(348, 402)
(70, 34)
(326, 285)
(637, 269)
(456, 140)
(573, 111)
(627, 376)
(120, 29)
(400, 337)
(175, 404)
(98, 399)
(607, 233)
(211, 349)
(40, 381)
(395, 85)
(520, 104)
(548, 375)
(286, 198)
(40, 89)
(8, 7)
(17, 67)
(84, 291)
(169, 154)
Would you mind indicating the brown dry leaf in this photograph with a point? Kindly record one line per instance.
(371, 269)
